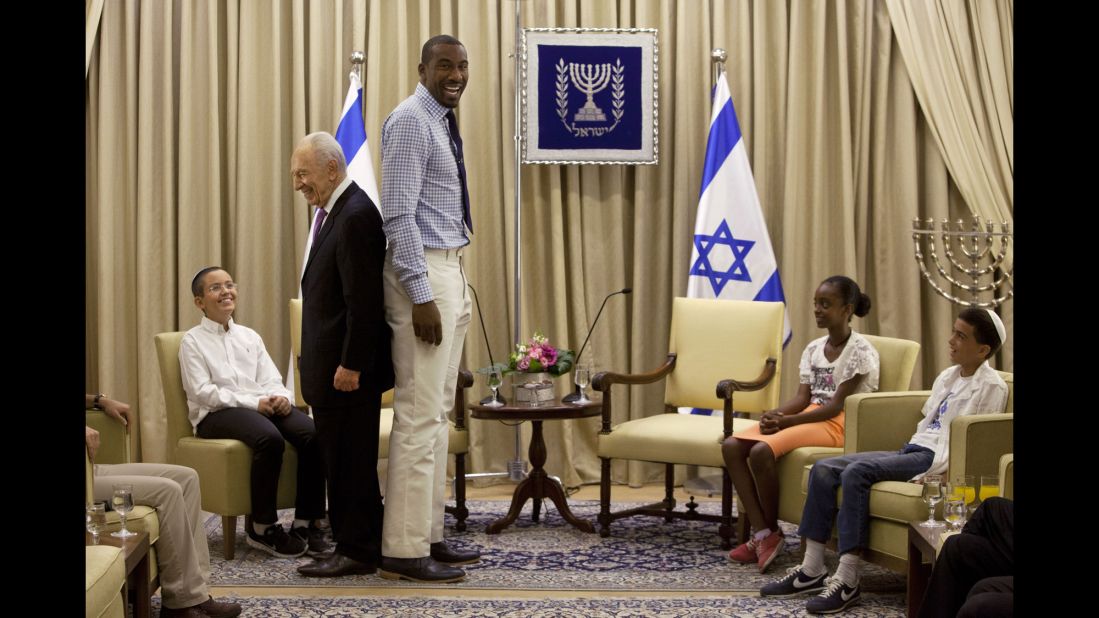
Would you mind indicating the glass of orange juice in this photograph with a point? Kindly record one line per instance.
(964, 487)
(990, 486)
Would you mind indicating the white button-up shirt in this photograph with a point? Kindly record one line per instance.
(226, 369)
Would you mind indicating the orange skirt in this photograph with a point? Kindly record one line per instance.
(822, 433)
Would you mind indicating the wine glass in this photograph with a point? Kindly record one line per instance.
(954, 511)
(494, 381)
(932, 493)
(123, 502)
(581, 376)
(95, 519)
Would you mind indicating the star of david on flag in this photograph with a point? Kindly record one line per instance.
(737, 271)
(732, 256)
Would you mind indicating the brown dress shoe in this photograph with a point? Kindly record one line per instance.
(336, 565)
(219, 609)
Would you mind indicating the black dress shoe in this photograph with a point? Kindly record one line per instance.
(441, 552)
(424, 570)
(336, 565)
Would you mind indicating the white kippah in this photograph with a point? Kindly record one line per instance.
(999, 325)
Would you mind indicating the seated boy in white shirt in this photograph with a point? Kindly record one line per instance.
(235, 391)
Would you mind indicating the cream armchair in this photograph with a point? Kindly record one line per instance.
(458, 444)
(1007, 476)
(716, 348)
(104, 576)
(885, 421)
(224, 466)
(897, 361)
(104, 565)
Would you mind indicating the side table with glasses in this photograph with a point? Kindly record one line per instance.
(537, 485)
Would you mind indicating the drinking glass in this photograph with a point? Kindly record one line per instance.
(965, 487)
(990, 486)
(123, 502)
(932, 493)
(954, 511)
(95, 519)
(581, 376)
(494, 381)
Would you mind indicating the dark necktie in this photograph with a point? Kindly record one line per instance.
(459, 158)
(318, 222)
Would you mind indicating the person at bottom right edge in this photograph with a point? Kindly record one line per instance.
(970, 386)
(974, 575)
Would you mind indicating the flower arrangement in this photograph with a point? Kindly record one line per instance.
(536, 356)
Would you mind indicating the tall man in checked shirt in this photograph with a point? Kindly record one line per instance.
(425, 204)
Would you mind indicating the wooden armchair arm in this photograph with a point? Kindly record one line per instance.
(726, 388)
(465, 380)
(604, 379)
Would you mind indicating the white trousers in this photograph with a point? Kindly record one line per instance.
(426, 377)
(183, 557)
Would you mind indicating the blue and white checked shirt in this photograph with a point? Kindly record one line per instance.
(421, 191)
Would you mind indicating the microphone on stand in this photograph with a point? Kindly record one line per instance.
(575, 395)
(484, 331)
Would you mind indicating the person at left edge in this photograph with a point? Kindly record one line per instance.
(345, 354)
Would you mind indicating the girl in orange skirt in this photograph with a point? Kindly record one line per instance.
(837, 365)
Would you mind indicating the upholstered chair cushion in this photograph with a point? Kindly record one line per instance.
(104, 575)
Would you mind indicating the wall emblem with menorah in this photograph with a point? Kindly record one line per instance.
(591, 79)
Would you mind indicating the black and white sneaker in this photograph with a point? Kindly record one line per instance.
(276, 542)
(315, 539)
(794, 583)
(837, 596)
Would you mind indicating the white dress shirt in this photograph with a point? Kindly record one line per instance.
(226, 369)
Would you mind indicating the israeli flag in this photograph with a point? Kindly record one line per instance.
(351, 135)
(732, 255)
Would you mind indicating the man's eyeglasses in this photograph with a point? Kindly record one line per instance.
(218, 287)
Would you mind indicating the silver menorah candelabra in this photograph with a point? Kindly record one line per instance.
(590, 79)
(976, 246)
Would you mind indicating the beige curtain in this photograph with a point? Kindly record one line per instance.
(959, 56)
(93, 9)
(193, 109)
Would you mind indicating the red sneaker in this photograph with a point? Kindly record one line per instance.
(769, 548)
(745, 552)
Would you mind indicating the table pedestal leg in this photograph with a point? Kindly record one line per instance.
(537, 486)
(919, 574)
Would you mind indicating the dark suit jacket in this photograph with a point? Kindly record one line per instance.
(343, 305)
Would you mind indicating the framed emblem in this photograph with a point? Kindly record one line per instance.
(590, 96)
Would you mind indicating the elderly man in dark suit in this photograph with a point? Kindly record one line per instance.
(345, 355)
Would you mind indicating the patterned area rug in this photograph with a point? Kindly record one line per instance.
(642, 554)
(876, 606)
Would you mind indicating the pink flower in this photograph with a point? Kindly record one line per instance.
(549, 356)
(524, 363)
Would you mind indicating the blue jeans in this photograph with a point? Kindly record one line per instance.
(855, 473)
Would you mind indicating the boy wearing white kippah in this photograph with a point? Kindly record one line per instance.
(970, 386)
